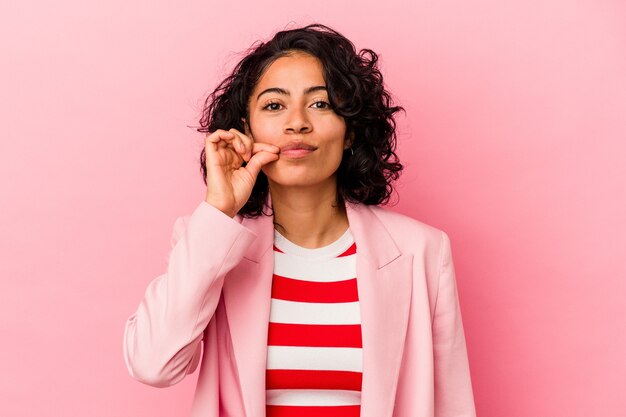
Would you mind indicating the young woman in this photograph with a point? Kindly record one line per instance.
(294, 291)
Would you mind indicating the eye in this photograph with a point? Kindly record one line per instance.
(326, 105)
(271, 103)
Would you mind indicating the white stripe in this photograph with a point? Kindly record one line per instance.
(331, 250)
(283, 311)
(312, 397)
(335, 269)
(315, 358)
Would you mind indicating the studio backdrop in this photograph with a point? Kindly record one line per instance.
(513, 142)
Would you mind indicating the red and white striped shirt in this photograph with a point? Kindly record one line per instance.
(314, 357)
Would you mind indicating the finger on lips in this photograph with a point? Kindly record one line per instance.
(241, 143)
(258, 146)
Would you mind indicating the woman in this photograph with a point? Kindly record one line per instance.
(295, 292)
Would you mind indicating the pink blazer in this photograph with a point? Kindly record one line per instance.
(211, 308)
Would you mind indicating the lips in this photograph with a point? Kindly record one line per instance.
(297, 145)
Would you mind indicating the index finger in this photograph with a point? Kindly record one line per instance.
(246, 140)
(260, 146)
(219, 134)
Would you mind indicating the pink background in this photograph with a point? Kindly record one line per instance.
(514, 144)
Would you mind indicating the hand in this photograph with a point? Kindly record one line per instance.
(229, 184)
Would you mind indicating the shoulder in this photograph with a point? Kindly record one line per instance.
(180, 225)
(409, 233)
(395, 221)
(203, 213)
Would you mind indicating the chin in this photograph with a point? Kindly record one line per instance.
(301, 175)
(292, 181)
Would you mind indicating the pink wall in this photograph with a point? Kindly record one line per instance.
(514, 143)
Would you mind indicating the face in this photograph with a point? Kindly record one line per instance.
(289, 108)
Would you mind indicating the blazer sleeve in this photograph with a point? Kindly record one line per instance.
(162, 339)
(453, 386)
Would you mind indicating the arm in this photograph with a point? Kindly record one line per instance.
(453, 385)
(162, 339)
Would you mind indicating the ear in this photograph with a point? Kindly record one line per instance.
(246, 128)
(349, 140)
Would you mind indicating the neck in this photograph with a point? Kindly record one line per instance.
(308, 216)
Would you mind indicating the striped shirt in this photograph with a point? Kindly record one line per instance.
(314, 356)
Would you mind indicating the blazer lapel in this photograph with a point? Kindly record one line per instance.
(384, 281)
(247, 295)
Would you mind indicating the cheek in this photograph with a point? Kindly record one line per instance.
(333, 155)
(265, 133)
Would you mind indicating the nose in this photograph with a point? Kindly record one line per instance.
(298, 122)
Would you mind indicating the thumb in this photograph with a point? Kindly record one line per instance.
(257, 161)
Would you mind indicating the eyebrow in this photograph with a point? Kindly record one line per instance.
(286, 92)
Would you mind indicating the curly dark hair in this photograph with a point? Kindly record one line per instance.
(355, 92)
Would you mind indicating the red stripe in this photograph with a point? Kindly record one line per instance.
(277, 250)
(319, 335)
(312, 379)
(314, 292)
(313, 411)
(350, 251)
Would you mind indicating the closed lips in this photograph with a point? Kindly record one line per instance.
(294, 146)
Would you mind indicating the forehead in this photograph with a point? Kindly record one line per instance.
(293, 70)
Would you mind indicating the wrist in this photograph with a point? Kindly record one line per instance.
(229, 212)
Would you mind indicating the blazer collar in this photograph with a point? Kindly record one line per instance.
(372, 238)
